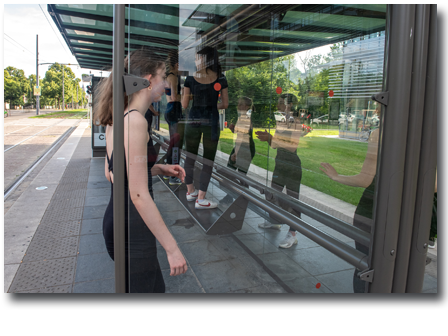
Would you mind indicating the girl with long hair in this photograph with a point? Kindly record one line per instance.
(142, 218)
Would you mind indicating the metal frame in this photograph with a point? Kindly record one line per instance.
(421, 31)
(119, 165)
(427, 167)
(391, 158)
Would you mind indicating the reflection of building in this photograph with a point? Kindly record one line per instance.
(358, 70)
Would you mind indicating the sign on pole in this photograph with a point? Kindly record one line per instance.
(37, 90)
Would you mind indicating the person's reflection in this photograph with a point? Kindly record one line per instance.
(153, 150)
(363, 217)
(288, 167)
(174, 116)
(205, 87)
(244, 150)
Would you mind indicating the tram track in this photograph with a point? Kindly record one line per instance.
(55, 145)
(32, 136)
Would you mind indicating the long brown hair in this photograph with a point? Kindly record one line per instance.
(139, 63)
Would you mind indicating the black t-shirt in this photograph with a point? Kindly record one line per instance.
(205, 97)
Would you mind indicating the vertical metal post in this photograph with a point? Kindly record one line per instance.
(63, 98)
(37, 74)
(390, 173)
(119, 164)
(427, 167)
(421, 31)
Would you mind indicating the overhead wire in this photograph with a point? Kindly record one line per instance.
(57, 36)
(21, 46)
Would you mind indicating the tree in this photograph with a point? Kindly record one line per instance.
(16, 86)
(52, 85)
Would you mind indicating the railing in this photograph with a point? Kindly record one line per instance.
(335, 246)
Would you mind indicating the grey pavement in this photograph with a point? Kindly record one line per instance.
(54, 241)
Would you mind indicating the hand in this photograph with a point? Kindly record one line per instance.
(232, 128)
(233, 157)
(329, 170)
(173, 170)
(264, 136)
(177, 262)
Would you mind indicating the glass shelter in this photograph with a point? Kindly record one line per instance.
(307, 134)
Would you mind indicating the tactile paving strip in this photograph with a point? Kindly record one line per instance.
(62, 215)
(70, 187)
(58, 230)
(51, 249)
(79, 193)
(41, 274)
(64, 203)
(57, 289)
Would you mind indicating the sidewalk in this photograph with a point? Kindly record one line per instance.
(54, 242)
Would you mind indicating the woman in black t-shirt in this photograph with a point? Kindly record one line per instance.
(208, 90)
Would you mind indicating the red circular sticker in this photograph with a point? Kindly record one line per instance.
(217, 86)
(278, 90)
(318, 286)
(331, 93)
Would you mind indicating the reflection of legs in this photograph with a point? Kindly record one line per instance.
(210, 147)
(284, 176)
(172, 127)
(193, 138)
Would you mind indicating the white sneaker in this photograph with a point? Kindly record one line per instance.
(289, 241)
(193, 196)
(205, 204)
(270, 226)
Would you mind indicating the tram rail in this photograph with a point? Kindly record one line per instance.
(20, 178)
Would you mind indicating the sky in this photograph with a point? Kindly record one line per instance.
(21, 25)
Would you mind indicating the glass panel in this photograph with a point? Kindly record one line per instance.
(314, 160)
(275, 103)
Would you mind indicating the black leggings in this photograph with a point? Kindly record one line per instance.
(143, 273)
(193, 134)
(176, 128)
(287, 172)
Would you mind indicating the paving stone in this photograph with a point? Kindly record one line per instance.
(91, 212)
(45, 249)
(91, 226)
(97, 286)
(258, 244)
(105, 191)
(318, 260)
(283, 266)
(97, 200)
(225, 276)
(98, 185)
(41, 274)
(184, 283)
(201, 251)
(94, 267)
(338, 282)
(55, 289)
(307, 285)
(90, 244)
(429, 283)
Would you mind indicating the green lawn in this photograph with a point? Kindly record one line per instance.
(68, 114)
(345, 156)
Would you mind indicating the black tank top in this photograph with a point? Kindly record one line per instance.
(151, 153)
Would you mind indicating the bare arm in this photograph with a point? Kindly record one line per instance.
(224, 99)
(136, 156)
(368, 170)
(186, 97)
